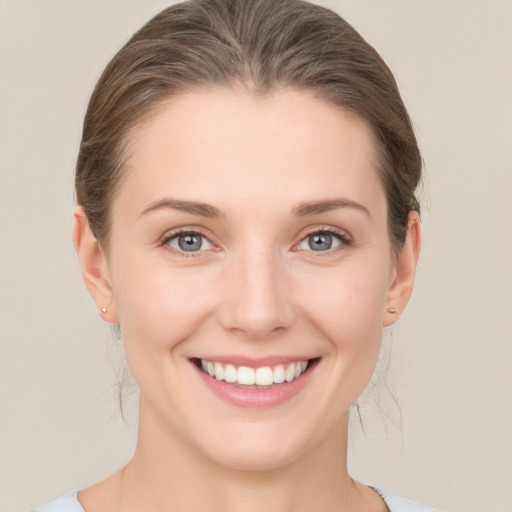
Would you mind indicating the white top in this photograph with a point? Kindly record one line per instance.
(69, 503)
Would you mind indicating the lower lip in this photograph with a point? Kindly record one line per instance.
(255, 398)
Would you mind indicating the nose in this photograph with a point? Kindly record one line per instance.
(258, 302)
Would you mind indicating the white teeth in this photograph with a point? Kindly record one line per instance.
(289, 373)
(279, 374)
(247, 376)
(264, 376)
(230, 373)
(219, 371)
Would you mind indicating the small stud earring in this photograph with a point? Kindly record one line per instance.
(103, 309)
(392, 310)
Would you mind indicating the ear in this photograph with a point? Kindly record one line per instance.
(405, 268)
(94, 266)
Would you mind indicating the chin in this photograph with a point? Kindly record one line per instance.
(254, 458)
(257, 449)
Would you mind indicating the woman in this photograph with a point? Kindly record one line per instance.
(246, 214)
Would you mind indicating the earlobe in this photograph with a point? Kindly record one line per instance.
(94, 266)
(405, 268)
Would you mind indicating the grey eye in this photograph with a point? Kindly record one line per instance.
(320, 242)
(190, 242)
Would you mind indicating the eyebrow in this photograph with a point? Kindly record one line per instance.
(193, 207)
(316, 207)
(209, 211)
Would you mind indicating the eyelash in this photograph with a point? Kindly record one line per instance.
(175, 234)
(344, 239)
(341, 236)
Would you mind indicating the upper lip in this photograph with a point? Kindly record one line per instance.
(253, 362)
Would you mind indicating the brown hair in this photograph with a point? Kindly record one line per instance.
(261, 45)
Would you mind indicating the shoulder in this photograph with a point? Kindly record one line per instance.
(398, 504)
(66, 503)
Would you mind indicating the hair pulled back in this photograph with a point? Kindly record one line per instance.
(261, 45)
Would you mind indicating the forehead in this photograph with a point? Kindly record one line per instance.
(220, 145)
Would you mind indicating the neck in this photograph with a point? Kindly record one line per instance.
(166, 473)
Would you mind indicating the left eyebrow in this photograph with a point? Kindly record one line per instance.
(316, 207)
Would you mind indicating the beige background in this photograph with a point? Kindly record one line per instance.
(452, 352)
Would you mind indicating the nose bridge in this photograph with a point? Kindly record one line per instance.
(259, 302)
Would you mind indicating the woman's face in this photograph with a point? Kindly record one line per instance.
(249, 236)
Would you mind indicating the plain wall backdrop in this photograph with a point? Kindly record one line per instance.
(451, 359)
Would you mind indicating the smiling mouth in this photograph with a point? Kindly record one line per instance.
(255, 378)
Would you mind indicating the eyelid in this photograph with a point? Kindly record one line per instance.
(174, 233)
(176, 238)
(343, 236)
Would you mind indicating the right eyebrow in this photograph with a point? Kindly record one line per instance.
(193, 207)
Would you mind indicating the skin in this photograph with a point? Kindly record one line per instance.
(257, 289)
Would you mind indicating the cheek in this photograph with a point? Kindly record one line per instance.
(349, 312)
(158, 310)
(349, 301)
(159, 307)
